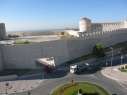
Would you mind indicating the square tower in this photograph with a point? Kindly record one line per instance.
(2, 31)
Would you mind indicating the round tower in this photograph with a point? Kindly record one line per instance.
(84, 25)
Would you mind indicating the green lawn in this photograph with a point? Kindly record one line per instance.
(88, 88)
(22, 42)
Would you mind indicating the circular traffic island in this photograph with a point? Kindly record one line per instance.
(80, 88)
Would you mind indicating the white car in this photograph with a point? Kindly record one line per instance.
(73, 68)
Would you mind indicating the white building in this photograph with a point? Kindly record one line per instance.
(86, 26)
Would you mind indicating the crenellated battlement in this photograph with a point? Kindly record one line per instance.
(98, 34)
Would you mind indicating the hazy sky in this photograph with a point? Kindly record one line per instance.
(48, 14)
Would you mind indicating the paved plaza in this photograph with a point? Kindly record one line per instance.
(18, 86)
(115, 74)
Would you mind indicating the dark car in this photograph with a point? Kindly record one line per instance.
(82, 68)
(87, 68)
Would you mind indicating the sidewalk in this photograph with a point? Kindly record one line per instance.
(115, 74)
(19, 86)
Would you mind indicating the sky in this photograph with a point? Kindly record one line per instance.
(20, 15)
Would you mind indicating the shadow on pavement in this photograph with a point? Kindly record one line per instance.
(56, 74)
(92, 71)
(33, 75)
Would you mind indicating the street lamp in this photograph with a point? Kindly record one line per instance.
(106, 63)
(111, 56)
(121, 59)
(119, 52)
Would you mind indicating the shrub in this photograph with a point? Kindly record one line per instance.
(122, 67)
(99, 50)
(26, 42)
(22, 42)
(80, 91)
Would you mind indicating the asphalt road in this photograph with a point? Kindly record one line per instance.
(49, 84)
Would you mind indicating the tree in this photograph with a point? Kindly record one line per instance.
(99, 50)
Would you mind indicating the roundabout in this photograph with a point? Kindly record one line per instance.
(49, 85)
(80, 88)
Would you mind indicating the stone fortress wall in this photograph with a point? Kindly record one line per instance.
(90, 39)
(25, 56)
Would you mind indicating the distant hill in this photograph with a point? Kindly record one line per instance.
(36, 33)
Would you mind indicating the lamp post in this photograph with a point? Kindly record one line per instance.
(111, 57)
(106, 63)
(121, 59)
